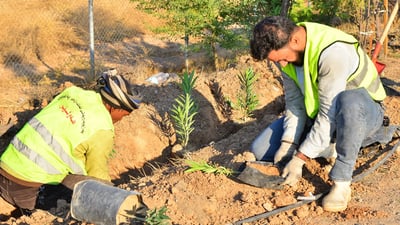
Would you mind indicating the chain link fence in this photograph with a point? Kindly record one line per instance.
(50, 39)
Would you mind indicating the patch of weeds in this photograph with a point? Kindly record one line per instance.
(207, 168)
(157, 217)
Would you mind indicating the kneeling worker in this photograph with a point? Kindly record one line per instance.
(68, 142)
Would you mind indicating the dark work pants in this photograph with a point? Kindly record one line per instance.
(18, 195)
(29, 198)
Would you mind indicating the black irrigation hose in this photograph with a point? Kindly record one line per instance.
(380, 162)
(303, 202)
(278, 210)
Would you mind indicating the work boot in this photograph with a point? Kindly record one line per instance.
(338, 197)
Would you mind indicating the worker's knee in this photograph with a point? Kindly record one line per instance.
(352, 102)
(352, 99)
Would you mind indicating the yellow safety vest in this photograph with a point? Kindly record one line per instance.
(319, 37)
(42, 151)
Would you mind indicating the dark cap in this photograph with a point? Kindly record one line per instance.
(117, 91)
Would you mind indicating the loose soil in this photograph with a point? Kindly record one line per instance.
(268, 170)
(147, 160)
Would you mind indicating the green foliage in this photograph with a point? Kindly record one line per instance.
(183, 113)
(301, 11)
(214, 22)
(184, 109)
(204, 19)
(112, 154)
(247, 99)
(346, 10)
(188, 82)
(207, 168)
(325, 11)
(157, 217)
(249, 12)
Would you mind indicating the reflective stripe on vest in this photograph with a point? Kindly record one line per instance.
(52, 142)
(364, 78)
(43, 150)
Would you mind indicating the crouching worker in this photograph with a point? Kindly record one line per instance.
(332, 92)
(66, 146)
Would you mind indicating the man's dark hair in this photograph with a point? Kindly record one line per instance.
(271, 33)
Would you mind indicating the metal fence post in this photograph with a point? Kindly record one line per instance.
(91, 34)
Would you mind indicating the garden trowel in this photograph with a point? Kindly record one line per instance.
(261, 174)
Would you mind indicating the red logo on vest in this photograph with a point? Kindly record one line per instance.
(68, 114)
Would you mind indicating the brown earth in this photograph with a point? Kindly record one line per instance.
(147, 161)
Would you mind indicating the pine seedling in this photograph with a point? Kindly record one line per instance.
(184, 109)
(247, 99)
(207, 168)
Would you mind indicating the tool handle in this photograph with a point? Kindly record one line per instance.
(377, 49)
(378, 46)
(389, 23)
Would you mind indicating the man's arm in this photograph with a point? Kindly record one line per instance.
(295, 113)
(336, 64)
(95, 153)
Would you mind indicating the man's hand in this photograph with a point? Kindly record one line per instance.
(285, 151)
(71, 179)
(293, 171)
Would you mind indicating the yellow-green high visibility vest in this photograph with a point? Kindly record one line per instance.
(319, 37)
(42, 151)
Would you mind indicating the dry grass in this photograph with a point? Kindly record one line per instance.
(46, 42)
(32, 29)
(39, 34)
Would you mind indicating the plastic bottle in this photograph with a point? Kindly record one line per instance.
(158, 78)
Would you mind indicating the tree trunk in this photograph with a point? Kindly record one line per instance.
(285, 8)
